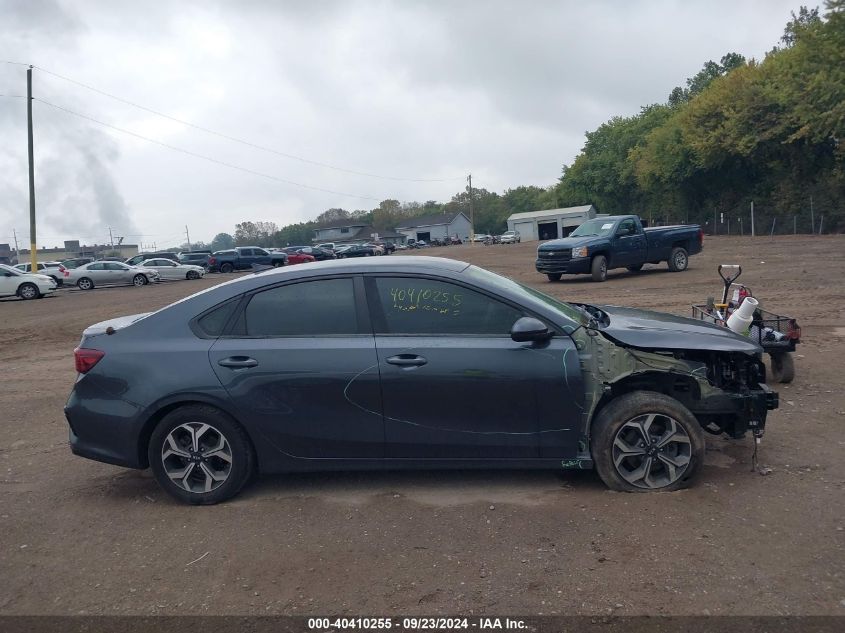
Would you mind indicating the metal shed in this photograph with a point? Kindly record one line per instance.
(550, 224)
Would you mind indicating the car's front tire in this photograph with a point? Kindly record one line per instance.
(598, 268)
(199, 455)
(28, 291)
(192, 274)
(646, 441)
(140, 280)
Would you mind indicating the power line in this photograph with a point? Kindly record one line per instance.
(234, 139)
(202, 156)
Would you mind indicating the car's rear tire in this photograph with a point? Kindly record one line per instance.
(226, 268)
(554, 276)
(192, 274)
(85, 284)
(140, 280)
(28, 291)
(678, 259)
(598, 268)
(646, 441)
(199, 455)
(782, 367)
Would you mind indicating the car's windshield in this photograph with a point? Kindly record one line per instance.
(599, 226)
(499, 281)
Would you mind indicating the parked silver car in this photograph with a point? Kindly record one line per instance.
(94, 274)
(509, 237)
(168, 269)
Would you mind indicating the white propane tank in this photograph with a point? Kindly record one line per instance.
(740, 320)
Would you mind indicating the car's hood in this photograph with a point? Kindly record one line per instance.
(115, 324)
(571, 242)
(657, 330)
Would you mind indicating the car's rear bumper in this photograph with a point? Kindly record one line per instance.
(548, 265)
(108, 432)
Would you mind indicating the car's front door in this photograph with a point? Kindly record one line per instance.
(8, 283)
(628, 245)
(454, 384)
(118, 273)
(300, 365)
(166, 268)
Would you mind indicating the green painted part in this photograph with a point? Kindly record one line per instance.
(572, 463)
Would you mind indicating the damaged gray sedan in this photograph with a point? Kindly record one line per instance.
(412, 362)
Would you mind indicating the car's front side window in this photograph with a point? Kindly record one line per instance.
(422, 306)
(311, 308)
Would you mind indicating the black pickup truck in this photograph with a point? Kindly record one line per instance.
(618, 241)
(243, 258)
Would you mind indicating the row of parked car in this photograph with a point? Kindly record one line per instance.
(145, 268)
(86, 273)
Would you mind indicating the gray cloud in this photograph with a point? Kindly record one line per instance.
(424, 89)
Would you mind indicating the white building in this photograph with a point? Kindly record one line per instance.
(550, 224)
(429, 227)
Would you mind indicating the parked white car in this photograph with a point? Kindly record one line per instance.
(509, 237)
(14, 282)
(94, 274)
(168, 269)
(51, 269)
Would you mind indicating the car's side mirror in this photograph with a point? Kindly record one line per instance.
(529, 329)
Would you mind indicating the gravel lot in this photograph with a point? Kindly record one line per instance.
(81, 537)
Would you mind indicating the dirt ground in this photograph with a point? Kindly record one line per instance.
(78, 537)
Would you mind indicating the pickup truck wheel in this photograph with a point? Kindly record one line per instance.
(226, 268)
(599, 268)
(554, 276)
(782, 367)
(678, 259)
(646, 441)
(635, 269)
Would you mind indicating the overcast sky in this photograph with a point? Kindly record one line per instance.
(420, 91)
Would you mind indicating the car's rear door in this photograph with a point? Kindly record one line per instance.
(454, 384)
(300, 365)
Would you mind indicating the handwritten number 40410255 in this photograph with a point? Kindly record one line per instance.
(418, 296)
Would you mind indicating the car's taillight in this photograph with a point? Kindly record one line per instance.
(86, 359)
(701, 236)
(212, 260)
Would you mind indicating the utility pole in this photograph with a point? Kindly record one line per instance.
(715, 230)
(752, 218)
(111, 239)
(17, 252)
(188, 235)
(471, 216)
(33, 249)
(812, 220)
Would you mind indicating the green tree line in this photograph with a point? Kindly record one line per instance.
(738, 131)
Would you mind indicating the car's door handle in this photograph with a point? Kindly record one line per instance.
(407, 360)
(238, 362)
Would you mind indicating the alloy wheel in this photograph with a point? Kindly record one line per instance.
(680, 260)
(651, 451)
(197, 457)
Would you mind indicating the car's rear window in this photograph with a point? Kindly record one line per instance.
(214, 322)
